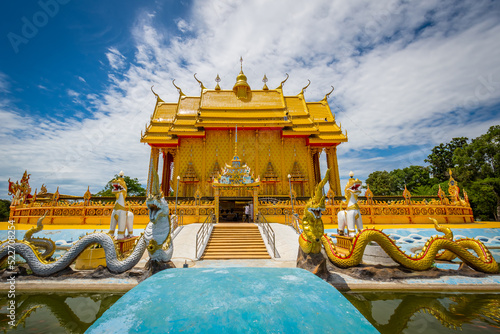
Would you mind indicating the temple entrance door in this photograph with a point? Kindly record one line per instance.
(232, 210)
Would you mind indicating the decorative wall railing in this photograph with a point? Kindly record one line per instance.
(376, 210)
(99, 212)
(392, 211)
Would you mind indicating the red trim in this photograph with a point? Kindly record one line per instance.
(191, 136)
(293, 136)
(243, 128)
(320, 144)
(302, 236)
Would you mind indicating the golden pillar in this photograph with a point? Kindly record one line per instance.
(177, 170)
(255, 203)
(331, 161)
(256, 169)
(204, 170)
(153, 167)
(216, 200)
(283, 178)
(310, 171)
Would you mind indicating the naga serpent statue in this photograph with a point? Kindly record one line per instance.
(48, 246)
(156, 238)
(437, 247)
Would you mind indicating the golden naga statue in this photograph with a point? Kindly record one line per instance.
(313, 229)
(437, 247)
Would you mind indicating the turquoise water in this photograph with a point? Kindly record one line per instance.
(388, 312)
(233, 300)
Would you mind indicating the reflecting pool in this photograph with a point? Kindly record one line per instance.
(388, 312)
(391, 312)
(55, 312)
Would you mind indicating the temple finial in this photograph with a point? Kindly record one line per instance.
(158, 99)
(304, 88)
(281, 84)
(178, 88)
(264, 80)
(241, 64)
(328, 95)
(217, 79)
(201, 83)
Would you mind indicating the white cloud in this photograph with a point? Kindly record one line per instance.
(183, 26)
(72, 93)
(82, 79)
(407, 75)
(115, 58)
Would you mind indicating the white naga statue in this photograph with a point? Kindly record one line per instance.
(121, 215)
(351, 216)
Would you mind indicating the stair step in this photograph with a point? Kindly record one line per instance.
(235, 241)
(241, 243)
(221, 257)
(236, 247)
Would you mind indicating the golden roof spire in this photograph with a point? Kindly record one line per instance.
(241, 87)
(264, 80)
(217, 79)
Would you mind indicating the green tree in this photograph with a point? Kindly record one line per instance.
(412, 177)
(393, 183)
(441, 158)
(478, 170)
(4, 209)
(134, 188)
(381, 183)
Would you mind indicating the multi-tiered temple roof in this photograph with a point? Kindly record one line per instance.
(264, 108)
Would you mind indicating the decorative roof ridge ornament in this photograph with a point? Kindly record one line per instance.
(265, 80)
(178, 88)
(241, 87)
(281, 84)
(201, 83)
(328, 95)
(158, 98)
(217, 79)
(304, 88)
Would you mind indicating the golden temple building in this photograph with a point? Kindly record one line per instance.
(277, 135)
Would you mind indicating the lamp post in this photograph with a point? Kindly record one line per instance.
(290, 184)
(177, 193)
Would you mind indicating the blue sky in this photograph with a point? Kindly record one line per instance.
(75, 76)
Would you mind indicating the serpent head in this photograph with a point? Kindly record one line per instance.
(118, 186)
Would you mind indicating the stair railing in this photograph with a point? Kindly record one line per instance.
(176, 221)
(294, 222)
(203, 235)
(268, 232)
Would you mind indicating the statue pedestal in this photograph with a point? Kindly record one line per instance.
(315, 263)
(374, 255)
(152, 267)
